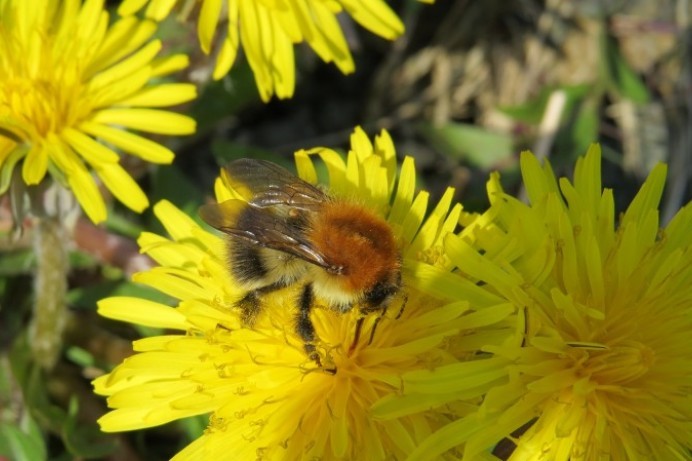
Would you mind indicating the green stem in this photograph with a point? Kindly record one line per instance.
(50, 314)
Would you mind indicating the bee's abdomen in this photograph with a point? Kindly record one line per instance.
(247, 265)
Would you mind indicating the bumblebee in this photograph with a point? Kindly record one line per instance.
(286, 231)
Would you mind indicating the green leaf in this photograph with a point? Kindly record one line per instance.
(80, 356)
(32, 380)
(194, 426)
(221, 99)
(17, 262)
(21, 444)
(532, 111)
(120, 224)
(478, 146)
(584, 130)
(84, 440)
(619, 76)
(171, 184)
(8, 165)
(579, 129)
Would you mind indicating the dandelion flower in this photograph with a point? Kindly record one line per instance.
(268, 31)
(605, 367)
(69, 84)
(266, 398)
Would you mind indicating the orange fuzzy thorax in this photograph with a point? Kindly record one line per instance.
(355, 239)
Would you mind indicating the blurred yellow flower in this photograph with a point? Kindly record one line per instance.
(604, 371)
(69, 84)
(269, 29)
(267, 399)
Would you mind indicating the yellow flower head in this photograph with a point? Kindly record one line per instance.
(267, 30)
(69, 83)
(267, 398)
(604, 370)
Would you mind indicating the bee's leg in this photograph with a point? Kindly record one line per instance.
(374, 325)
(304, 326)
(250, 304)
(356, 335)
(383, 311)
(359, 326)
(364, 312)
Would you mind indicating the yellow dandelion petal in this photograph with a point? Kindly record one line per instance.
(150, 120)
(120, 90)
(405, 190)
(266, 394)
(414, 217)
(93, 152)
(587, 180)
(136, 62)
(177, 224)
(122, 38)
(131, 143)
(82, 185)
(226, 57)
(428, 234)
(269, 30)
(162, 95)
(123, 187)
(375, 16)
(159, 9)
(361, 145)
(603, 368)
(128, 7)
(175, 283)
(208, 18)
(676, 232)
(134, 418)
(304, 166)
(169, 64)
(384, 146)
(269, 51)
(336, 168)
(165, 252)
(323, 33)
(35, 165)
(648, 197)
(142, 312)
(535, 181)
(64, 71)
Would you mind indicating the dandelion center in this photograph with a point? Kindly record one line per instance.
(41, 89)
(619, 365)
(42, 106)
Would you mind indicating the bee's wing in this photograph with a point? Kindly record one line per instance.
(262, 227)
(264, 183)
